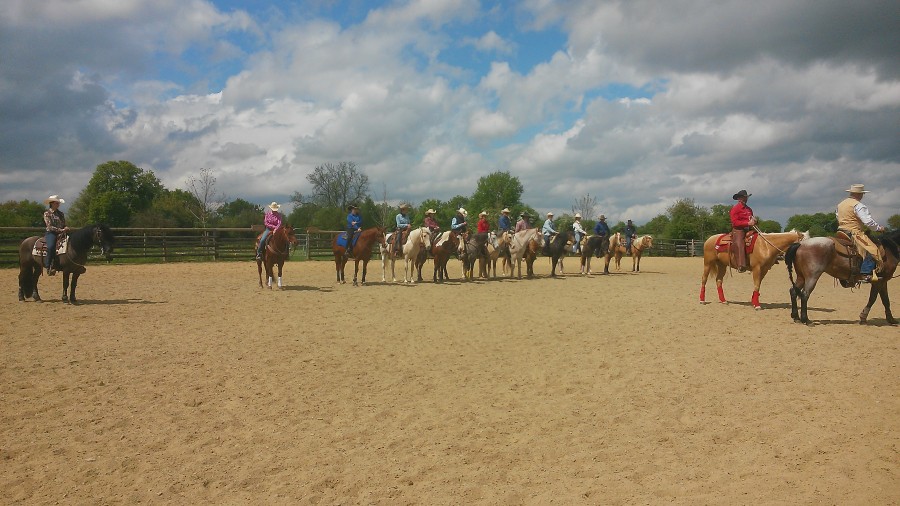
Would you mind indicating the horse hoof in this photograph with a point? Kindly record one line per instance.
(757, 308)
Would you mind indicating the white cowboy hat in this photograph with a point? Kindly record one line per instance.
(429, 211)
(274, 206)
(549, 214)
(482, 213)
(602, 217)
(577, 216)
(857, 188)
(462, 211)
(505, 210)
(54, 198)
(404, 206)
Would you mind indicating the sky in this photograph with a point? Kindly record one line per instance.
(637, 102)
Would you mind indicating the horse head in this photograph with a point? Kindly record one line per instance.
(425, 237)
(104, 238)
(291, 235)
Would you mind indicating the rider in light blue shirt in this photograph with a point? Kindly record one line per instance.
(403, 224)
(548, 230)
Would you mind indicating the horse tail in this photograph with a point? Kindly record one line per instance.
(789, 257)
(26, 280)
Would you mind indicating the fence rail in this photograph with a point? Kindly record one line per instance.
(150, 245)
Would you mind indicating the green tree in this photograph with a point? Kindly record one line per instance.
(818, 224)
(894, 222)
(494, 192)
(170, 209)
(239, 214)
(337, 186)
(427, 204)
(719, 219)
(769, 226)
(24, 213)
(116, 191)
(657, 226)
(687, 220)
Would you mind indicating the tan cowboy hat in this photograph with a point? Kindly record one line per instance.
(274, 206)
(602, 217)
(482, 213)
(857, 188)
(429, 211)
(404, 206)
(54, 198)
(505, 210)
(549, 214)
(577, 216)
(462, 211)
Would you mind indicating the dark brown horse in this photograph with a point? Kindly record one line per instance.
(362, 250)
(71, 263)
(446, 244)
(278, 249)
(814, 256)
(597, 245)
(557, 248)
(474, 250)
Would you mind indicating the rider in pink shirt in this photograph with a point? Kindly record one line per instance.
(272, 222)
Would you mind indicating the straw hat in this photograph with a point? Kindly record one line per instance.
(429, 211)
(602, 217)
(482, 213)
(404, 206)
(549, 214)
(577, 216)
(54, 198)
(462, 211)
(741, 194)
(505, 210)
(274, 206)
(857, 188)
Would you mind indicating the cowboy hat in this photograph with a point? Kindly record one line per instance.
(602, 217)
(404, 206)
(482, 213)
(54, 198)
(462, 211)
(429, 211)
(857, 188)
(505, 210)
(274, 206)
(351, 207)
(523, 213)
(549, 213)
(741, 194)
(577, 216)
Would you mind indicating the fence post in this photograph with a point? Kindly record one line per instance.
(165, 249)
(216, 245)
(308, 253)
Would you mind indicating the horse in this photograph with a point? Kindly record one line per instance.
(496, 247)
(419, 240)
(71, 263)
(557, 247)
(472, 250)
(597, 245)
(276, 252)
(362, 250)
(765, 250)
(446, 244)
(637, 249)
(525, 245)
(814, 256)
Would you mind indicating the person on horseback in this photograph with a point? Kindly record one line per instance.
(483, 225)
(630, 234)
(432, 225)
(522, 223)
(579, 233)
(272, 221)
(505, 223)
(742, 220)
(55, 221)
(354, 225)
(601, 228)
(458, 223)
(853, 216)
(547, 230)
(403, 225)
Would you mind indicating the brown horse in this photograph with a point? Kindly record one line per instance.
(473, 250)
(557, 248)
(637, 249)
(597, 245)
(71, 263)
(765, 250)
(277, 251)
(814, 256)
(362, 250)
(445, 244)
(525, 245)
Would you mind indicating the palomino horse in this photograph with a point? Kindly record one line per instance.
(814, 256)
(278, 249)
(525, 245)
(637, 249)
(444, 245)
(71, 263)
(473, 250)
(557, 249)
(597, 245)
(765, 250)
(362, 250)
(497, 246)
(419, 240)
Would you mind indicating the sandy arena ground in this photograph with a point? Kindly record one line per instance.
(186, 383)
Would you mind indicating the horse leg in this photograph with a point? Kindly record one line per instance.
(72, 289)
(280, 267)
(720, 275)
(887, 303)
(365, 267)
(259, 269)
(65, 294)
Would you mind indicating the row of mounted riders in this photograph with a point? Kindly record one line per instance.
(838, 256)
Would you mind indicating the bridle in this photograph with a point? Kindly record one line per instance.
(761, 235)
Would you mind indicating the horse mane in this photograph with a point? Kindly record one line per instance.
(891, 242)
(82, 239)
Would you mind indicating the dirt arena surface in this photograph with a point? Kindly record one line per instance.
(186, 383)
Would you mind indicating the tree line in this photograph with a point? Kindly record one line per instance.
(121, 194)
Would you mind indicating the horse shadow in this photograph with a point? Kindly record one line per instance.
(869, 323)
(779, 305)
(304, 288)
(111, 302)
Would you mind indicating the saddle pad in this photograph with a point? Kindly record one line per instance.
(342, 239)
(723, 243)
(40, 247)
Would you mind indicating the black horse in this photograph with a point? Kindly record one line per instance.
(71, 263)
(595, 245)
(557, 248)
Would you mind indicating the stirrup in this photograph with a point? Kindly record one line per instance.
(874, 277)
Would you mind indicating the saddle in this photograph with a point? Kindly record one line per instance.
(845, 246)
(398, 250)
(40, 246)
(723, 242)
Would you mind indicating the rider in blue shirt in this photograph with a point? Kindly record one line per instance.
(548, 230)
(403, 224)
(354, 225)
(505, 223)
(601, 228)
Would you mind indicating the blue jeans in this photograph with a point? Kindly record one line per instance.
(577, 246)
(50, 237)
(262, 241)
(868, 265)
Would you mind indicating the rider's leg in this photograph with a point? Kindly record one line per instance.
(262, 243)
(50, 238)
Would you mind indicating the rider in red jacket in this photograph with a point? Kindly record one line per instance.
(741, 221)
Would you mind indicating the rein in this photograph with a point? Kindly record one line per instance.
(763, 237)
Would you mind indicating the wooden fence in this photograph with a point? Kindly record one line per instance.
(151, 245)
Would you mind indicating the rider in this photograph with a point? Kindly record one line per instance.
(403, 225)
(630, 234)
(55, 221)
(272, 221)
(853, 216)
(432, 224)
(579, 233)
(458, 223)
(601, 228)
(548, 230)
(505, 223)
(523, 223)
(354, 225)
(483, 225)
(741, 220)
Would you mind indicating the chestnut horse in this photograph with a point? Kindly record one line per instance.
(419, 240)
(71, 263)
(762, 258)
(814, 256)
(277, 251)
(362, 250)
(593, 245)
(637, 249)
(525, 245)
(445, 244)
